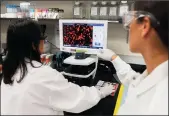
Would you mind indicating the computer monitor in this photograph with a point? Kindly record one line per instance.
(88, 35)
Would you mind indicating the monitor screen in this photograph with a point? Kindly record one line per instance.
(83, 35)
(88, 35)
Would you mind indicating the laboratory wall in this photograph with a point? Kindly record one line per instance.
(117, 36)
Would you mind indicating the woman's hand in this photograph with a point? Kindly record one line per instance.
(107, 54)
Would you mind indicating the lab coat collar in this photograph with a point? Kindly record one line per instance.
(139, 79)
(158, 74)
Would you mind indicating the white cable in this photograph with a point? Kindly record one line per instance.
(96, 65)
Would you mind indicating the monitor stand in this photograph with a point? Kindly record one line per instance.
(72, 60)
(81, 56)
(81, 62)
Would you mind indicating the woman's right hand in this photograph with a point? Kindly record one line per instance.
(107, 54)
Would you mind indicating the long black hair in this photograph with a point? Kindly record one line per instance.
(23, 39)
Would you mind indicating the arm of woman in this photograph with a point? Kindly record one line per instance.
(67, 96)
(124, 71)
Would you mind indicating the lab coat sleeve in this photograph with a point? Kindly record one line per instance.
(124, 71)
(69, 97)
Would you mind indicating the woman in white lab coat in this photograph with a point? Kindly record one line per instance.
(148, 35)
(28, 88)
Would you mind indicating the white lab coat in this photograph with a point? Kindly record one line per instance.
(44, 91)
(147, 94)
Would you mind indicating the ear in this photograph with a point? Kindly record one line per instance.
(146, 26)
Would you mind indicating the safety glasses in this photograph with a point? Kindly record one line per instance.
(135, 15)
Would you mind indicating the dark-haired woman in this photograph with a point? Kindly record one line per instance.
(28, 88)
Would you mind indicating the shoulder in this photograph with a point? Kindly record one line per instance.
(161, 101)
(45, 71)
(44, 78)
(40, 69)
(41, 72)
(162, 90)
(163, 85)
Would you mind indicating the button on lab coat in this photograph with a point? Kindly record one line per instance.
(44, 91)
(147, 94)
